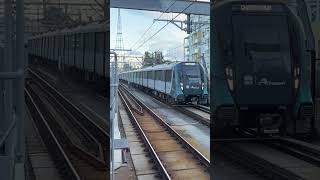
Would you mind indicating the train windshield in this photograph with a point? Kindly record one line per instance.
(262, 57)
(266, 55)
(191, 71)
(265, 42)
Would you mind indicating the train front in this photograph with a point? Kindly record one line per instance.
(264, 65)
(192, 82)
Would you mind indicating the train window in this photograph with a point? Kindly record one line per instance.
(149, 75)
(168, 75)
(162, 75)
(318, 55)
(191, 71)
(158, 75)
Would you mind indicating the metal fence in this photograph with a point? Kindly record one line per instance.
(113, 104)
(12, 112)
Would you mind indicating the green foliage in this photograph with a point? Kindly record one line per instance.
(154, 58)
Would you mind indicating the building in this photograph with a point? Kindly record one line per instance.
(197, 44)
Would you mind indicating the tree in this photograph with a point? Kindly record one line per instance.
(151, 59)
(127, 67)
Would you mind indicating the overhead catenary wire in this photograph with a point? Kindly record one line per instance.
(164, 26)
(144, 33)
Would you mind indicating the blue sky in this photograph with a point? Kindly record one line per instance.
(135, 23)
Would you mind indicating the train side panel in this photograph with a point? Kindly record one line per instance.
(150, 80)
(159, 83)
(145, 79)
(168, 81)
(79, 51)
(318, 79)
(99, 59)
(89, 55)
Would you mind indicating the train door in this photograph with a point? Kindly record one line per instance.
(168, 76)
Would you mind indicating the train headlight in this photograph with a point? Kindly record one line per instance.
(229, 77)
(296, 83)
(296, 73)
(181, 86)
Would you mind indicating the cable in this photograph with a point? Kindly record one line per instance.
(164, 25)
(152, 24)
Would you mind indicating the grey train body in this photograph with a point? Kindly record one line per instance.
(179, 83)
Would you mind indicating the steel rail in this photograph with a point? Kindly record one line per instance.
(101, 135)
(145, 139)
(300, 150)
(137, 109)
(254, 163)
(62, 137)
(92, 126)
(192, 114)
(202, 108)
(101, 122)
(93, 154)
(54, 146)
(192, 149)
(189, 113)
(180, 108)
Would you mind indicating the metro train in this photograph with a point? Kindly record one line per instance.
(82, 49)
(261, 70)
(178, 83)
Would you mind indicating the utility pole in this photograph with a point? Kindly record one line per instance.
(119, 40)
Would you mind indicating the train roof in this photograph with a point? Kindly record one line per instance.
(160, 67)
(92, 27)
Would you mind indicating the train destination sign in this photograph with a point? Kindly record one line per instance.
(256, 7)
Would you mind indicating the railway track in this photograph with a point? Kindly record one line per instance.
(197, 112)
(97, 119)
(91, 123)
(277, 158)
(202, 108)
(77, 144)
(174, 156)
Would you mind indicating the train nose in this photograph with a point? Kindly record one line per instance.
(270, 121)
(193, 89)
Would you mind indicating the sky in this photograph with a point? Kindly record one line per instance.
(136, 22)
